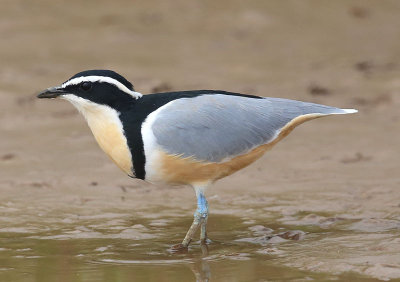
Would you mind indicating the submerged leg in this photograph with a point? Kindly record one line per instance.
(200, 218)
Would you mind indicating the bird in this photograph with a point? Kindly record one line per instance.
(191, 138)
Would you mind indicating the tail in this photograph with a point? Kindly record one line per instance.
(291, 108)
(347, 111)
(289, 114)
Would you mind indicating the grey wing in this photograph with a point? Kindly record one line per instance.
(216, 127)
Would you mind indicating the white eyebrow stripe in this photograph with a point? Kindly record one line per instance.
(95, 78)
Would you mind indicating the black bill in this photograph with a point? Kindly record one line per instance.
(52, 92)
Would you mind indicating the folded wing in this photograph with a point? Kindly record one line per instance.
(218, 127)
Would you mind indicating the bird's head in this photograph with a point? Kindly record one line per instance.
(94, 87)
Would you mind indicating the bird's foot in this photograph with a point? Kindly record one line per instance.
(205, 241)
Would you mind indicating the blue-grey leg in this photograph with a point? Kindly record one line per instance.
(202, 210)
(200, 218)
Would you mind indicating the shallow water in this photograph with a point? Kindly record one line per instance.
(105, 248)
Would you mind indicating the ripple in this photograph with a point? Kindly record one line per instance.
(155, 262)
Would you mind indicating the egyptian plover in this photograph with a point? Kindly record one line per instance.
(187, 137)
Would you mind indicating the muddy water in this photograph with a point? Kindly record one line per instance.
(78, 242)
(94, 251)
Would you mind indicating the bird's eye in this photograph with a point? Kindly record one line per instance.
(86, 85)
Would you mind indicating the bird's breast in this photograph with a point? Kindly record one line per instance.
(109, 134)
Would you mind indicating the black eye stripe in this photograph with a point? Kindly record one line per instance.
(86, 85)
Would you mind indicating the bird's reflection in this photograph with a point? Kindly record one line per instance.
(201, 270)
(200, 267)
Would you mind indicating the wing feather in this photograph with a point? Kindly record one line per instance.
(218, 127)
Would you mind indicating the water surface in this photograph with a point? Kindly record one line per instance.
(105, 248)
